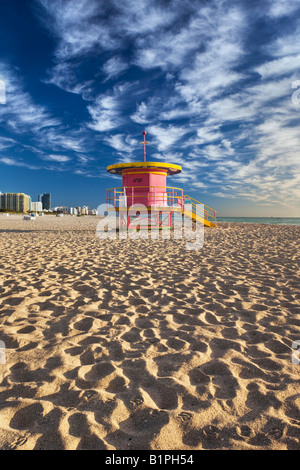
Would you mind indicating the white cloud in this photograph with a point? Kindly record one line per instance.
(13, 162)
(283, 66)
(180, 112)
(62, 139)
(10, 161)
(106, 110)
(169, 49)
(114, 67)
(199, 185)
(19, 111)
(74, 24)
(84, 159)
(211, 73)
(165, 137)
(278, 142)
(218, 151)
(280, 8)
(121, 142)
(207, 133)
(285, 45)
(104, 113)
(63, 75)
(143, 18)
(6, 142)
(212, 69)
(142, 115)
(57, 158)
(160, 107)
(89, 25)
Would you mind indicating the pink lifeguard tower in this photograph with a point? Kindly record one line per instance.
(144, 193)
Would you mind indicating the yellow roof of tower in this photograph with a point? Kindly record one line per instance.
(171, 168)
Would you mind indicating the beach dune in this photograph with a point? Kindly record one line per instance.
(143, 344)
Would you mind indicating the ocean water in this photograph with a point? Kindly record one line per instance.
(262, 220)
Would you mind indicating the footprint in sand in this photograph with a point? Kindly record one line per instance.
(85, 324)
(80, 427)
(26, 330)
(27, 417)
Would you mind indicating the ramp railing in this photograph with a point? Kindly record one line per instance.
(209, 214)
(158, 196)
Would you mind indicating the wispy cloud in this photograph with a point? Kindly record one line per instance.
(13, 162)
(121, 142)
(166, 136)
(21, 116)
(279, 8)
(106, 109)
(6, 142)
(20, 112)
(114, 67)
(57, 158)
(142, 115)
(58, 139)
(285, 65)
(105, 113)
(75, 26)
(63, 75)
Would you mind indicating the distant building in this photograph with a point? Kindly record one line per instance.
(37, 206)
(79, 210)
(61, 209)
(18, 202)
(84, 210)
(72, 211)
(45, 199)
(93, 212)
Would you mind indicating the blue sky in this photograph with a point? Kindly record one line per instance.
(214, 84)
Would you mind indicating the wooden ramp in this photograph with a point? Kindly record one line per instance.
(198, 212)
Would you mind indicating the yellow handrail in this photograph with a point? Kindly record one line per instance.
(167, 194)
(138, 187)
(146, 194)
(198, 202)
(194, 205)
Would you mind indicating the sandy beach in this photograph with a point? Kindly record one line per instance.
(142, 344)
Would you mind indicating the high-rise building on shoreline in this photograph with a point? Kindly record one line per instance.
(45, 199)
(37, 206)
(18, 202)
